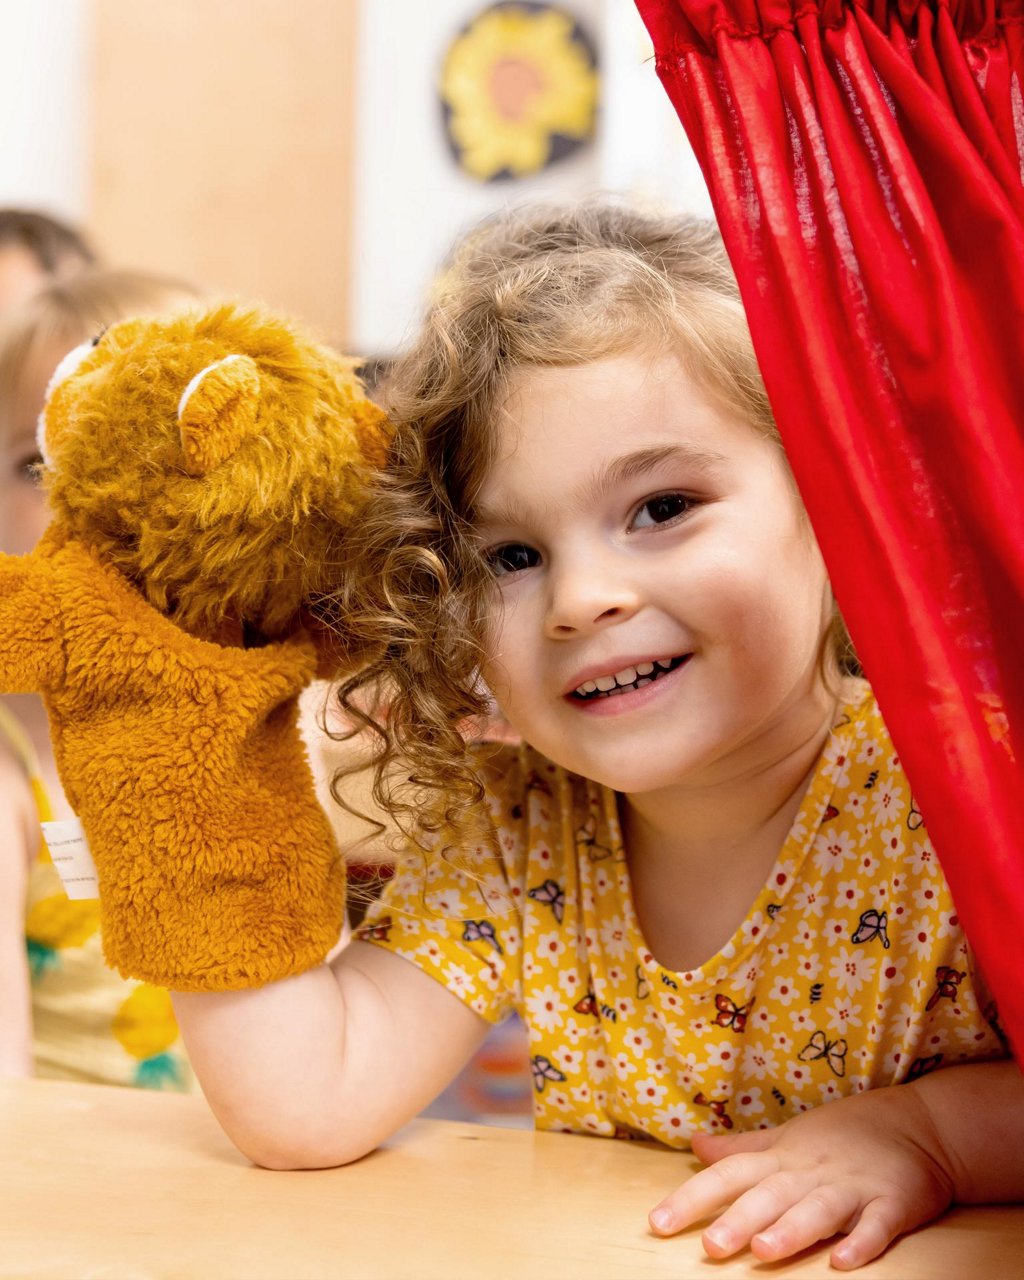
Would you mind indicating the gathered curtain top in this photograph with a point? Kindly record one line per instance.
(679, 25)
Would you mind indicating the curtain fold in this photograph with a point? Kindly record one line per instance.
(865, 160)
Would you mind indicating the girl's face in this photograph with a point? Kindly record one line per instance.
(23, 513)
(660, 602)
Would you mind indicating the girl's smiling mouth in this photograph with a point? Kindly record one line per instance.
(629, 680)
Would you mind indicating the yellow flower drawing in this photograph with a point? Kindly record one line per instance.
(520, 88)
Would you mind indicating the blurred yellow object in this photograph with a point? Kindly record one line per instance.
(57, 922)
(144, 1025)
(514, 81)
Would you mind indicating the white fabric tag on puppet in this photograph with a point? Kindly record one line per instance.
(69, 850)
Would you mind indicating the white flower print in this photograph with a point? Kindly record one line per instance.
(803, 1022)
(809, 967)
(806, 935)
(649, 1091)
(638, 1041)
(888, 803)
(723, 1054)
(949, 924)
(850, 970)
(811, 899)
(457, 979)
(759, 1062)
(623, 1066)
(848, 893)
(927, 896)
(546, 1008)
(919, 937)
(613, 938)
(582, 1092)
(832, 849)
(690, 1074)
(550, 946)
(835, 930)
(890, 842)
(446, 903)
(753, 927)
(838, 768)
(868, 753)
(842, 1015)
(700, 1027)
(798, 1074)
(748, 1102)
(569, 981)
(856, 806)
(574, 1031)
(570, 1060)
(921, 858)
(891, 974)
(599, 1065)
(778, 953)
(625, 1008)
(784, 992)
(829, 1091)
(676, 1121)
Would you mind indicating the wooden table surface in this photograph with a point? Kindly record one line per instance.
(114, 1184)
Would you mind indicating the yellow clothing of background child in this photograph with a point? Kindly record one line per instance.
(88, 1023)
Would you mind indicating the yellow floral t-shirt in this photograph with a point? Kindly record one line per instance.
(850, 971)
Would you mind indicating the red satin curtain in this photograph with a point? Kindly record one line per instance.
(865, 163)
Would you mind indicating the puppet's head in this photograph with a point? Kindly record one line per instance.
(215, 458)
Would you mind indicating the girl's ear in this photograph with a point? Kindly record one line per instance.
(217, 411)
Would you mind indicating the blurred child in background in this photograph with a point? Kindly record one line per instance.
(36, 248)
(63, 1013)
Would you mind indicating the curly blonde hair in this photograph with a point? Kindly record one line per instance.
(533, 287)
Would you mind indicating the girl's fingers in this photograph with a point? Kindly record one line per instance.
(712, 1147)
(710, 1189)
(878, 1226)
(818, 1215)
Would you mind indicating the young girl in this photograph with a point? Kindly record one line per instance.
(63, 1013)
(701, 879)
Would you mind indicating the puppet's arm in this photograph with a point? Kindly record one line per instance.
(30, 649)
(217, 867)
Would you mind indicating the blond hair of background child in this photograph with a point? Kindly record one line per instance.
(63, 1013)
(36, 247)
(700, 879)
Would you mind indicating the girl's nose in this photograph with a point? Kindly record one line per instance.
(585, 599)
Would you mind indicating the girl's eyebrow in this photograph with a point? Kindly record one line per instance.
(630, 466)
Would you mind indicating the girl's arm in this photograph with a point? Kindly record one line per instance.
(871, 1166)
(19, 845)
(319, 1069)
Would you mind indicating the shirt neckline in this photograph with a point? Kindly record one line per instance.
(784, 874)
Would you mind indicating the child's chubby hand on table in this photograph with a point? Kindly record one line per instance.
(870, 1167)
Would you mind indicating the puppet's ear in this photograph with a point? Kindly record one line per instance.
(217, 410)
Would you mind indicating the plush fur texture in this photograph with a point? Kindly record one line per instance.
(202, 470)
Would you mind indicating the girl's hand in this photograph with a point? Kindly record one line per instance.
(871, 1167)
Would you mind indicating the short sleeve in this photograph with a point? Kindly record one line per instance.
(457, 916)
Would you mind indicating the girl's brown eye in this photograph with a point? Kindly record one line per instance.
(663, 508)
(511, 557)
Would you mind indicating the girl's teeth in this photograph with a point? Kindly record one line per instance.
(626, 676)
(604, 683)
(664, 662)
(645, 668)
(589, 687)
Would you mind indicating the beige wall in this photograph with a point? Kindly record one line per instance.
(223, 146)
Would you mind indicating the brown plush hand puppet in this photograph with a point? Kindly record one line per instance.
(202, 469)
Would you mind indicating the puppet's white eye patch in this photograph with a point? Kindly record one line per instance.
(193, 385)
(64, 370)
